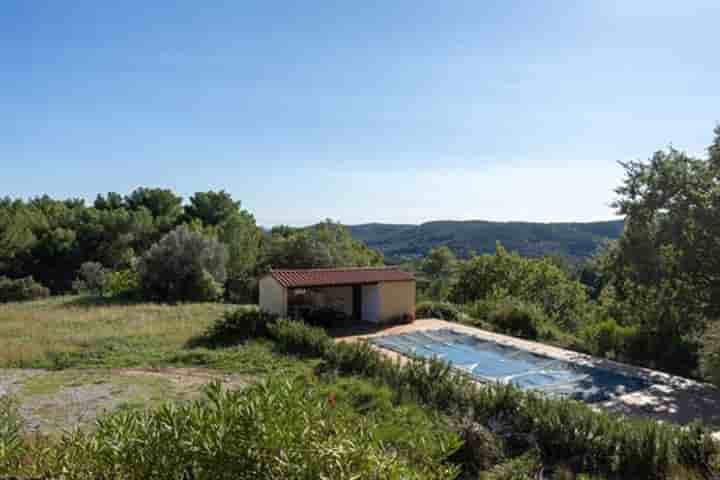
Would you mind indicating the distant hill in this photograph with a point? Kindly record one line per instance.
(572, 240)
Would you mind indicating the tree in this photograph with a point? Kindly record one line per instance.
(532, 280)
(440, 261)
(183, 266)
(212, 208)
(164, 206)
(112, 201)
(663, 274)
(439, 265)
(325, 245)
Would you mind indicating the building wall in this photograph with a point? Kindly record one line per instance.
(336, 297)
(396, 298)
(371, 303)
(273, 296)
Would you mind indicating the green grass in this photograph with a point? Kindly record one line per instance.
(79, 332)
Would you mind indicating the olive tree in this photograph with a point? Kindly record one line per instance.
(184, 266)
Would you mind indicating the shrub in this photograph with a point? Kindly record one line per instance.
(442, 310)
(122, 283)
(533, 280)
(481, 449)
(277, 429)
(183, 265)
(510, 316)
(240, 324)
(296, 338)
(11, 442)
(242, 290)
(710, 353)
(21, 289)
(607, 338)
(91, 278)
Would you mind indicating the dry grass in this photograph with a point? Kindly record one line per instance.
(31, 333)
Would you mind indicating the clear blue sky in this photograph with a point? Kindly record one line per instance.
(399, 111)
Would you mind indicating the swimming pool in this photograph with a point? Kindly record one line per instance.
(492, 362)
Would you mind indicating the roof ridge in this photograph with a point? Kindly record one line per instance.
(335, 269)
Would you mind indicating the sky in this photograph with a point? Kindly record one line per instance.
(373, 111)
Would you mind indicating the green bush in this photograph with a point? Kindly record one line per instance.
(510, 316)
(122, 283)
(563, 430)
(21, 289)
(183, 266)
(607, 338)
(710, 353)
(278, 429)
(297, 338)
(534, 280)
(242, 290)
(240, 324)
(91, 278)
(481, 449)
(442, 310)
(12, 448)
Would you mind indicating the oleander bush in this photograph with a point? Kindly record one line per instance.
(12, 448)
(21, 289)
(278, 429)
(442, 310)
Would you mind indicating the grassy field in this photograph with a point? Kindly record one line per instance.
(72, 362)
(68, 359)
(41, 333)
(82, 332)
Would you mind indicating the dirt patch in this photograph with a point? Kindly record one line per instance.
(188, 377)
(55, 401)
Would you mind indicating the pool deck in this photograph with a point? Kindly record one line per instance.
(669, 397)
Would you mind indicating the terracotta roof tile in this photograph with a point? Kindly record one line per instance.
(324, 277)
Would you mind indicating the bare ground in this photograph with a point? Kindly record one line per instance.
(53, 401)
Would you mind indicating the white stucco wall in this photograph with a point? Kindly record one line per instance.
(273, 296)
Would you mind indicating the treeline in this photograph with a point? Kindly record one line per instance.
(652, 297)
(153, 244)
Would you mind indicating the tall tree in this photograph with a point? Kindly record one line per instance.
(212, 208)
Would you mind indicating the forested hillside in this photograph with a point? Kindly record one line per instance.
(572, 240)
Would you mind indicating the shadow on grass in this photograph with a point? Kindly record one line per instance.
(100, 301)
(213, 342)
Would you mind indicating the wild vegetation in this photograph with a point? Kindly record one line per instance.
(649, 298)
(210, 243)
(345, 411)
(558, 431)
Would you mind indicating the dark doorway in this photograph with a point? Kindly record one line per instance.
(357, 302)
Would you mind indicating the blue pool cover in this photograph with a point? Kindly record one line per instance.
(491, 362)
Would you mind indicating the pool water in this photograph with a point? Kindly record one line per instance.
(488, 361)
